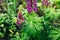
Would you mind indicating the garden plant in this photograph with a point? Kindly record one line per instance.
(29, 19)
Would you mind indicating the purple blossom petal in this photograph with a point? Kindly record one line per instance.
(18, 21)
(29, 10)
(35, 9)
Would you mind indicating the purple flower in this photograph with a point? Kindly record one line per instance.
(29, 10)
(18, 22)
(35, 9)
(45, 2)
(31, 5)
(20, 19)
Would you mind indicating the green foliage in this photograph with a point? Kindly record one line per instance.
(46, 27)
(8, 20)
(33, 22)
(7, 23)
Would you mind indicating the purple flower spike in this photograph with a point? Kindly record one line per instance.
(31, 5)
(20, 19)
(45, 2)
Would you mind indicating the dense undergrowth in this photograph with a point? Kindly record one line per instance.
(41, 25)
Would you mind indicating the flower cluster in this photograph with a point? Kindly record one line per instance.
(20, 19)
(31, 5)
(45, 2)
